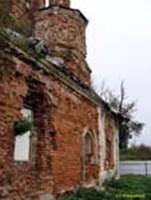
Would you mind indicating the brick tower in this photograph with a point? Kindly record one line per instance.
(60, 27)
(63, 31)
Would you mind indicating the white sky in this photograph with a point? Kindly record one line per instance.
(119, 48)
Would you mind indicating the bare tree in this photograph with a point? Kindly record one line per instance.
(128, 125)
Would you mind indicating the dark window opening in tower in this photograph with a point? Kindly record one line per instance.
(28, 4)
(47, 3)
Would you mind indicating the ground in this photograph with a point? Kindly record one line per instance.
(128, 187)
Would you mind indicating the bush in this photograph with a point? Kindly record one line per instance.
(90, 194)
(22, 126)
(71, 197)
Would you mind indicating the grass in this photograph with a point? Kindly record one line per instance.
(128, 187)
(131, 185)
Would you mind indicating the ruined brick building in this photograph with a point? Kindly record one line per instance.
(73, 141)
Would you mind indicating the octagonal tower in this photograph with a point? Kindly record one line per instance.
(63, 31)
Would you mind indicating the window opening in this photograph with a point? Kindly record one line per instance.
(22, 138)
(47, 3)
(28, 4)
(89, 148)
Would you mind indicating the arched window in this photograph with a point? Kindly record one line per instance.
(89, 155)
(37, 4)
(89, 148)
(108, 152)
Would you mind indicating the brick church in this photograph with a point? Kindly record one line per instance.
(56, 133)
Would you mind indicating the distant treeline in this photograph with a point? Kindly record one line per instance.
(141, 152)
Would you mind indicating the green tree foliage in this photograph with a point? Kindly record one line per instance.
(128, 125)
(141, 152)
(23, 126)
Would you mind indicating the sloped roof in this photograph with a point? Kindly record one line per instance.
(23, 50)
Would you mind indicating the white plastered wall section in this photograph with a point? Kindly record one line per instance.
(101, 144)
(107, 174)
(116, 152)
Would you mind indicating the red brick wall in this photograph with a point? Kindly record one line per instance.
(37, 4)
(19, 9)
(71, 116)
(12, 90)
(58, 167)
(61, 115)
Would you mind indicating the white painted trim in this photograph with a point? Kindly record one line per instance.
(102, 148)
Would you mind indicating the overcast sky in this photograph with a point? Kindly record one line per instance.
(119, 48)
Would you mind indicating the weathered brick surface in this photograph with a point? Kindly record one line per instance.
(61, 114)
(58, 165)
(20, 9)
(72, 116)
(13, 89)
(63, 30)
